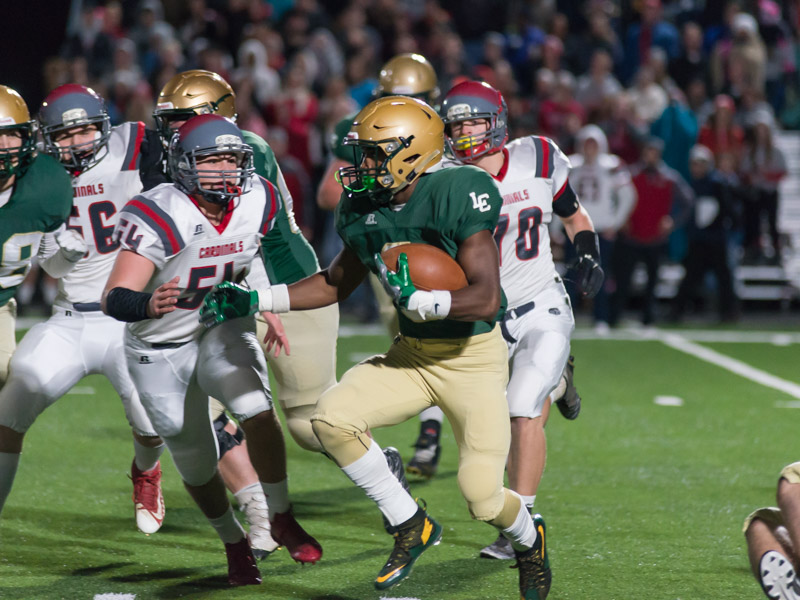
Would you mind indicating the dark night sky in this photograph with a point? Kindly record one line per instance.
(32, 31)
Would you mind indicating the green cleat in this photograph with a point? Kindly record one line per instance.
(534, 566)
(411, 539)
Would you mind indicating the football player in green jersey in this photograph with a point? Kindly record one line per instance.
(404, 75)
(450, 352)
(308, 366)
(35, 198)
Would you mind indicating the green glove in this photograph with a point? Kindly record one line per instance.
(397, 284)
(228, 301)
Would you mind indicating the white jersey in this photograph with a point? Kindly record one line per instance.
(165, 226)
(99, 195)
(605, 189)
(533, 177)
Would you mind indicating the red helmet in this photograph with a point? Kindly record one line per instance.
(475, 100)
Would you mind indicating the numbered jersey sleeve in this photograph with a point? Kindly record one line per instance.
(146, 229)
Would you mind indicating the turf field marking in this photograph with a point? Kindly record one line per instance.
(787, 404)
(82, 390)
(668, 401)
(115, 597)
(733, 365)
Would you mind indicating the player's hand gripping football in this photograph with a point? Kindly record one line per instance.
(415, 304)
(589, 275)
(228, 301)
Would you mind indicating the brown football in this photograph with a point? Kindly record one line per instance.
(430, 267)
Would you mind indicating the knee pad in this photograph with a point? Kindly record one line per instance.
(344, 446)
(481, 483)
(298, 421)
(226, 440)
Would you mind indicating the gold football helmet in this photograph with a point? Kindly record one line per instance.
(195, 92)
(409, 75)
(15, 119)
(399, 139)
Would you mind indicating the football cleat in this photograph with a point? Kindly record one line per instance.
(395, 462)
(777, 577)
(500, 549)
(242, 569)
(287, 532)
(534, 566)
(428, 450)
(254, 507)
(570, 403)
(411, 539)
(148, 501)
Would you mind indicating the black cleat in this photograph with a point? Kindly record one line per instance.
(570, 403)
(534, 566)
(411, 539)
(428, 450)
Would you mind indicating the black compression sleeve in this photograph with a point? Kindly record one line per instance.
(126, 305)
(586, 242)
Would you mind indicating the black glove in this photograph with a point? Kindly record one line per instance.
(589, 275)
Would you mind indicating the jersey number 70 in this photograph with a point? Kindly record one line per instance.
(526, 245)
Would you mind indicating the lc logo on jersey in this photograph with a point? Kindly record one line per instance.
(371, 220)
(198, 229)
(479, 202)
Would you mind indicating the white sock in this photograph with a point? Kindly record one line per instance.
(8, 469)
(146, 458)
(522, 533)
(560, 390)
(528, 501)
(277, 496)
(372, 474)
(434, 413)
(227, 527)
(242, 494)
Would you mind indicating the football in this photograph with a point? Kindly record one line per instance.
(430, 267)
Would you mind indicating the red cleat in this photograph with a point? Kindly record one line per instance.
(147, 498)
(242, 569)
(287, 532)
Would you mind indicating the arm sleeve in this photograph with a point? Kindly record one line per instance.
(565, 201)
(257, 278)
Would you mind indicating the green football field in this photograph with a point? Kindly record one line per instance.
(682, 434)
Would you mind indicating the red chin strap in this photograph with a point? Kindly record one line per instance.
(231, 189)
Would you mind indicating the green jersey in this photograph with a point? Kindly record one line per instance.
(446, 207)
(288, 256)
(338, 148)
(40, 202)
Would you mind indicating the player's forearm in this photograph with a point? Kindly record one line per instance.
(315, 291)
(476, 302)
(580, 221)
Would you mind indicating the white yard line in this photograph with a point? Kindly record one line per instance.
(733, 365)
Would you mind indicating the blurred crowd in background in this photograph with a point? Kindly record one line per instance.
(722, 74)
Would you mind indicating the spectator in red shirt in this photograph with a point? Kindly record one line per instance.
(720, 134)
(663, 204)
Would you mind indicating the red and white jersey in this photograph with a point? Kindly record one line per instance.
(166, 226)
(534, 175)
(605, 189)
(99, 195)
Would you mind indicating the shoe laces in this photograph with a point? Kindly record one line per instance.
(146, 488)
(404, 540)
(533, 572)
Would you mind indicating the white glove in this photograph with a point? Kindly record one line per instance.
(71, 245)
(426, 306)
